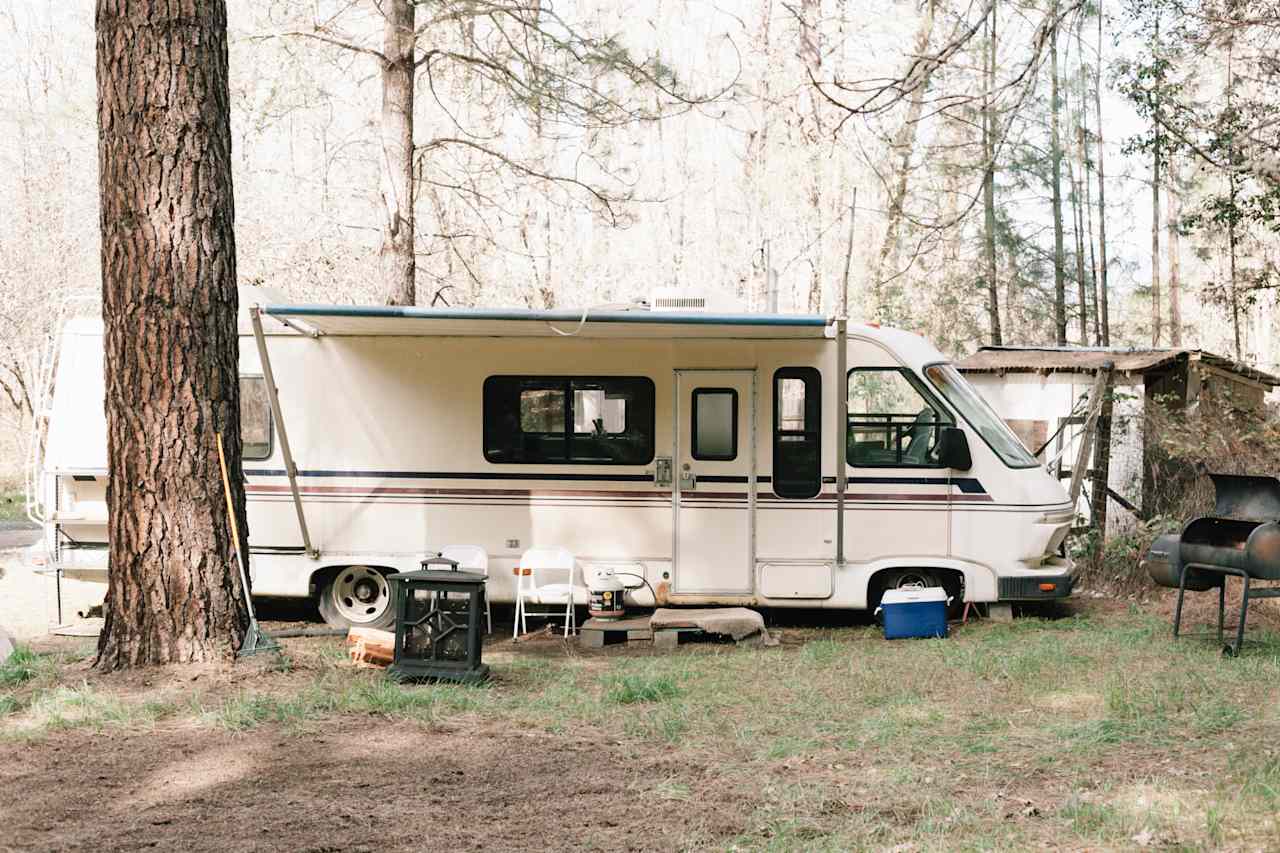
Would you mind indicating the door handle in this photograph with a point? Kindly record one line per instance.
(662, 472)
(688, 479)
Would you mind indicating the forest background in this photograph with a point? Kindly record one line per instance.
(1025, 172)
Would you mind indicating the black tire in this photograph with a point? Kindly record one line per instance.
(356, 596)
(895, 578)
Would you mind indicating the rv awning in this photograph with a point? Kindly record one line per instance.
(365, 320)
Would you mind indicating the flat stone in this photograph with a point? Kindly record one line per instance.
(6, 644)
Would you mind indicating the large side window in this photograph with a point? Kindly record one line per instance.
(591, 420)
(255, 418)
(797, 432)
(893, 422)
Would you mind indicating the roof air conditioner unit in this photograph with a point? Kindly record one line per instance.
(676, 300)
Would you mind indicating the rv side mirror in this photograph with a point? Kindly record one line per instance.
(953, 449)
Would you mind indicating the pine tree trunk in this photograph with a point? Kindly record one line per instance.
(396, 255)
(171, 349)
(1103, 296)
(1055, 143)
(989, 183)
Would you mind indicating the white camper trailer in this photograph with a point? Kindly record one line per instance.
(711, 454)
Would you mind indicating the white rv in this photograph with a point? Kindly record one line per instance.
(761, 460)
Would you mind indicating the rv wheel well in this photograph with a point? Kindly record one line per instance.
(951, 580)
(320, 577)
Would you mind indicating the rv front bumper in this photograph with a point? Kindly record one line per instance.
(1037, 587)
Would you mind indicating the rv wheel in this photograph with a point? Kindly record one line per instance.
(898, 578)
(357, 595)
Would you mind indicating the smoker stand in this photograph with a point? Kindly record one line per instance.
(1228, 649)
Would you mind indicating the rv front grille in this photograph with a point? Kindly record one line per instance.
(1022, 589)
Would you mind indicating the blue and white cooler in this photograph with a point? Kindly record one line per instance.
(914, 611)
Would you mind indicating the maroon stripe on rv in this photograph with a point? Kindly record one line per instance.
(886, 497)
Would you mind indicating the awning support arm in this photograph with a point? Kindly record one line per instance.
(290, 469)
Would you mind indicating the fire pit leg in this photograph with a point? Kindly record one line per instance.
(1244, 613)
(1222, 605)
(1177, 612)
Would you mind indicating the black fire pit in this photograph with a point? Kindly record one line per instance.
(438, 618)
(1241, 539)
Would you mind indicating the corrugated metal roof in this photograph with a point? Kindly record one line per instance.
(1090, 359)
(638, 323)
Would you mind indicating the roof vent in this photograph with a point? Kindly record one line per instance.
(675, 300)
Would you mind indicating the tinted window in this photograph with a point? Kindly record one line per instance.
(255, 418)
(797, 432)
(565, 419)
(715, 424)
(892, 420)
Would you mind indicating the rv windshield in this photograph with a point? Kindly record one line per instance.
(966, 399)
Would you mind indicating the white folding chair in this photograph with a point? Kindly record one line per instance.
(545, 577)
(472, 558)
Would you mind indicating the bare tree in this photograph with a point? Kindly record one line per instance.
(170, 346)
(532, 59)
(1055, 155)
(989, 180)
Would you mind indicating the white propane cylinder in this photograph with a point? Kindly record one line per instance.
(606, 591)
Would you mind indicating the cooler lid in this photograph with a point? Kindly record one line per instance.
(914, 595)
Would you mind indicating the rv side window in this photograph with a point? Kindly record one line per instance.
(255, 418)
(893, 421)
(715, 424)
(564, 419)
(797, 432)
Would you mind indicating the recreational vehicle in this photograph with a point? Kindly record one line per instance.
(764, 460)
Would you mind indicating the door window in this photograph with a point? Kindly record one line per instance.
(797, 432)
(715, 424)
(893, 423)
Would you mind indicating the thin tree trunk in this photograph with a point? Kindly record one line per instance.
(1173, 215)
(989, 182)
(1155, 212)
(396, 255)
(1103, 294)
(903, 146)
(810, 54)
(1055, 142)
(170, 346)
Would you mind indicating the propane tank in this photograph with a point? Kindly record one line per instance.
(606, 591)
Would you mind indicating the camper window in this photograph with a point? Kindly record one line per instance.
(255, 418)
(569, 420)
(797, 432)
(715, 424)
(893, 421)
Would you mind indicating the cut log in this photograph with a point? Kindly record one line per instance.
(371, 646)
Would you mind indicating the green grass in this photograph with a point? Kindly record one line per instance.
(1074, 732)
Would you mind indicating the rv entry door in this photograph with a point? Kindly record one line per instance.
(714, 494)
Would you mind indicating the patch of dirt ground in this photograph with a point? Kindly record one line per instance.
(400, 787)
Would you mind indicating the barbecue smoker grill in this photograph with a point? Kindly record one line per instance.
(1241, 539)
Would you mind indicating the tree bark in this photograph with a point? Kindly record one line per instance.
(1104, 312)
(396, 257)
(1055, 144)
(989, 182)
(171, 349)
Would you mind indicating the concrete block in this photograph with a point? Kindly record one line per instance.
(666, 640)
(591, 639)
(1000, 612)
